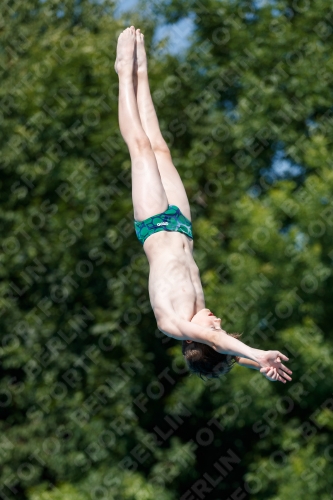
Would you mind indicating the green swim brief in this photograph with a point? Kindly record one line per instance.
(170, 220)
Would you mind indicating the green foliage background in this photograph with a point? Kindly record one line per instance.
(96, 404)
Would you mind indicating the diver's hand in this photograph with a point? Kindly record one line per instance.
(272, 367)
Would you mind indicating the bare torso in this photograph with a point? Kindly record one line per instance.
(174, 280)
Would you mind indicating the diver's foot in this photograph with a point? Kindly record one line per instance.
(125, 51)
(141, 57)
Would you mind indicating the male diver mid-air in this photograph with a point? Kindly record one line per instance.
(163, 226)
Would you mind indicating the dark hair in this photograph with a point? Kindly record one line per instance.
(204, 360)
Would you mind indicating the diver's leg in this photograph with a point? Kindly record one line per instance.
(149, 197)
(171, 180)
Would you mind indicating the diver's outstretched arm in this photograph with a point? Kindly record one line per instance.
(267, 362)
(270, 362)
(226, 344)
(247, 363)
